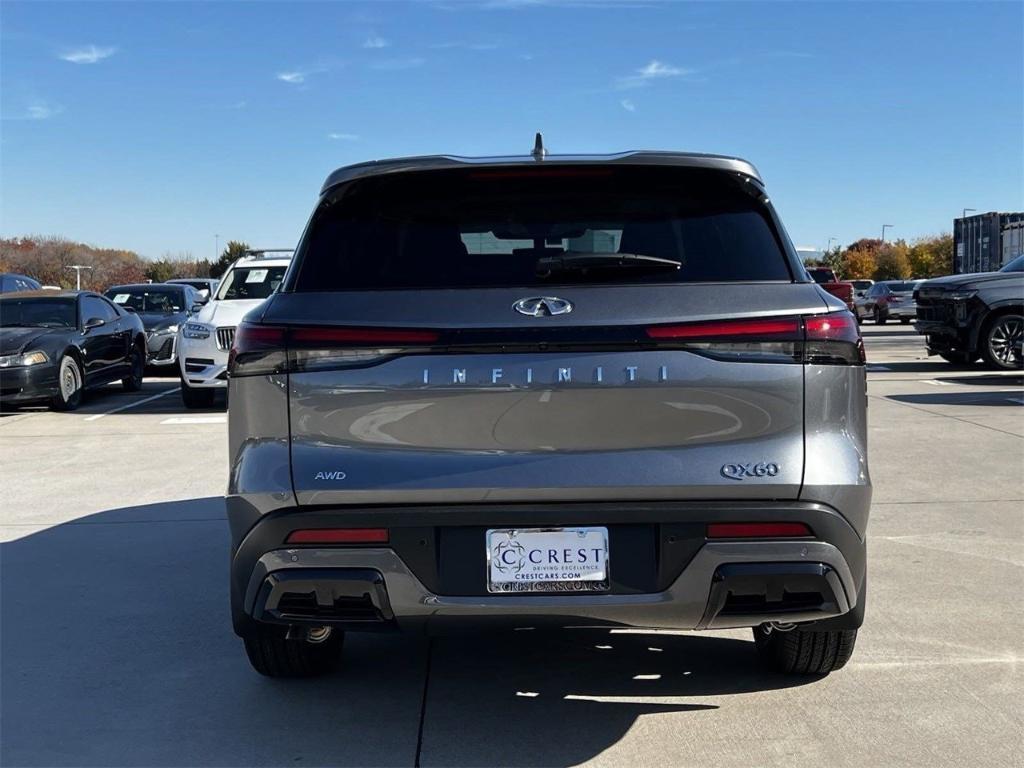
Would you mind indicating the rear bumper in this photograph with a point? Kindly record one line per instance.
(902, 310)
(694, 583)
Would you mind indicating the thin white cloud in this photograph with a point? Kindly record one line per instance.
(653, 70)
(294, 77)
(37, 110)
(392, 65)
(376, 42)
(89, 54)
(628, 105)
(342, 136)
(464, 45)
(241, 104)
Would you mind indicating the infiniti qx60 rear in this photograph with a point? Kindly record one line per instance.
(547, 391)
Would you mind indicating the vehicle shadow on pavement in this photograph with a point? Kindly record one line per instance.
(562, 698)
(1006, 398)
(117, 650)
(938, 366)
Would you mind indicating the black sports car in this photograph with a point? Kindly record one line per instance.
(163, 308)
(55, 344)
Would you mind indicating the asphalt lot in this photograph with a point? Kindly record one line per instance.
(117, 650)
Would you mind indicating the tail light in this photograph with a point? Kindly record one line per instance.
(757, 530)
(259, 350)
(833, 339)
(338, 536)
(821, 339)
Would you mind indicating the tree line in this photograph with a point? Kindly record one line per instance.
(48, 259)
(873, 259)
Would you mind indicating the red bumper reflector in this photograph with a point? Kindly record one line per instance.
(757, 530)
(339, 536)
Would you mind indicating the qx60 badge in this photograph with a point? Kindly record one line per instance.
(743, 471)
(543, 306)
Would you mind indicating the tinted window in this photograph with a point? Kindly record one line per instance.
(96, 307)
(904, 287)
(1017, 265)
(252, 282)
(46, 312)
(822, 275)
(148, 300)
(492, 227)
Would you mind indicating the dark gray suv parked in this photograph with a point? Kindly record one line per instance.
(567, 391)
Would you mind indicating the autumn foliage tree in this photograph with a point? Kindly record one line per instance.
(931, 256)
(47, 260)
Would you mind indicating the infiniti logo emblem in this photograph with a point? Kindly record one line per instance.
(543, 306)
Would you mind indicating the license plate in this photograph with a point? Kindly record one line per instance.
(547, 560)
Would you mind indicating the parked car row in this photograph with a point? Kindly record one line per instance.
(56, 344)
(50, 339)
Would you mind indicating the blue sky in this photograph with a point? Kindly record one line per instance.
(155, 126)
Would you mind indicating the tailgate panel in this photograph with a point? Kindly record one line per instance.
(655, 424)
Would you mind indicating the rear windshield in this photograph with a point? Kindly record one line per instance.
(822, 275)
(527, 226)
(148, 300)
(38, 313)
(253, 282)
(904, 287)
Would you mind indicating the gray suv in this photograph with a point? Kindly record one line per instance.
(547, 391)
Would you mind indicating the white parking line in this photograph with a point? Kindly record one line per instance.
(213, 419)
(131, 405)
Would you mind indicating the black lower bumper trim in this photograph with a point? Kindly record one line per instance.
(328, 596)
(746, 594)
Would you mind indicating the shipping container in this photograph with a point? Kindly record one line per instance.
(978, 241)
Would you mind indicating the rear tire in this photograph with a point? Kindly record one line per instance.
(137, 369)
(193, 397)
(905, 320)
(804, 652)
(272, 654)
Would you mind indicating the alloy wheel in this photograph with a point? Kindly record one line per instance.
(1004, 341)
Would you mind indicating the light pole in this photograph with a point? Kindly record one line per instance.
(216, 247)
(78, 274)
(829, 246)
(885, 227)
(972, 210)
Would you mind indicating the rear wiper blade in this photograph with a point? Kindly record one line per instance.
(576, 262)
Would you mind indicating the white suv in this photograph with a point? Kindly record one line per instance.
(205, 340)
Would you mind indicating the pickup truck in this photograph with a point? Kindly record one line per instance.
(826, 278)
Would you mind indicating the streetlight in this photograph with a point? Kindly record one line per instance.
(216, 247)
(829, 246)
(78, 274)
(972, 210)
(885, 227)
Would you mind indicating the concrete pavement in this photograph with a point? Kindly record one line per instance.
(116, 647)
